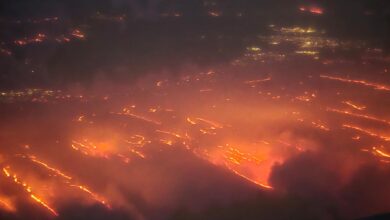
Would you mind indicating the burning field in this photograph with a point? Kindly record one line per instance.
(294, 125)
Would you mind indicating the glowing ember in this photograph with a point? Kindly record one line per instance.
(38, 200)
(312, 9)
(58, 172)
(355, 106)
(368, 117)
(5, 204)
(93, 195)
(28, 189)
(358, 82)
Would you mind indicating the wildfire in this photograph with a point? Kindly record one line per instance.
(244, 124)
(355, 106)
(312, 9)
(209, 122)
(256, 81)
(93, 195)
(78, 34)
(368, 117)
(38, 38)
(358, 82)
(214, 13)
(42, 203)
(262, 185)
(28, 189)
(381, 153)
(170, 133)
(127, 112)
(236, 156)
(58, 172)
(320, 126)
(137, 141)
(6, 204)
(368, 132)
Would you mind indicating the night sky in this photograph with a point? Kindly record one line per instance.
(151, 35)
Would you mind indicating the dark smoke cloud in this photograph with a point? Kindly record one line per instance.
(95, 212)
(319, 179)
(313, 185)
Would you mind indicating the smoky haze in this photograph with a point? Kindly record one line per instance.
(189, 109)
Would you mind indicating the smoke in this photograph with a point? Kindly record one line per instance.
(321, 180)
(144, 123)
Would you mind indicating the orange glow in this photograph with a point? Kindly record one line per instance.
(358, 82)
(137, 141)
(368, 117)
(214, 13)
(189, 120)
(355, 106)
(257, 81)
(42, 203)
(248, 120)
(38, 38)
(58, 172)
(140, 117)
(138, 153)
(262, 185)
(170, 133)
(381, 152)
(320, 126)
(316, 10)
(167, 142)
(6, 204)
(78, 34)
(368, 132)
(240, 163)
(6, 172)
(28, 189)
(212, 123)
(93, 195)
(312, 9)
